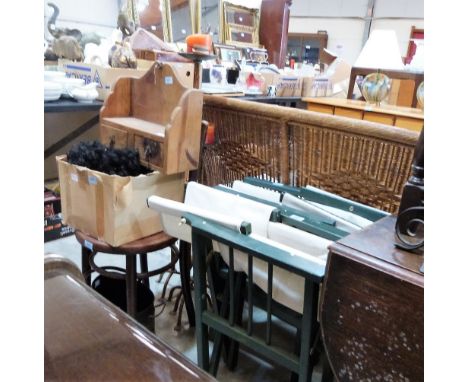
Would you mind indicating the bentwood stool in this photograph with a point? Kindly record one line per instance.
(90, 246)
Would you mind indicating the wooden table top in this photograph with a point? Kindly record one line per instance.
(375, 245)
(87, 338)
(362, 105)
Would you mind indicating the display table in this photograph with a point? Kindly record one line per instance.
(372, 314)
(406, 117)
(66, 121)
(280, 101)
(66, 105)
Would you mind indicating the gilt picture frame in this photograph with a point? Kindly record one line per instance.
(228, 53)
(240, 25)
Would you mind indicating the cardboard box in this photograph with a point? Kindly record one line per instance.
(289, 86)
(106, 77)
(110, 207)
(270, 79)
(55, 229)
(307, 86)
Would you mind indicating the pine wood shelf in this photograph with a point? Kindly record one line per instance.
(156, 115)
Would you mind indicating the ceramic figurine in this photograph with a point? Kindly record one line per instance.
(67, 47)
(123, 56)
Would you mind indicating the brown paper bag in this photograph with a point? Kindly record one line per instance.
(110, 207)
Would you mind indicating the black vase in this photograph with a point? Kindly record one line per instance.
(206, 75)
(232, 75)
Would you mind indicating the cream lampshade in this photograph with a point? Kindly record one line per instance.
(380, 51)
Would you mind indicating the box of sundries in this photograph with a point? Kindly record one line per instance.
(53, 225)
(54, 228)
(106, 77)
(289, 86)
(113, 208)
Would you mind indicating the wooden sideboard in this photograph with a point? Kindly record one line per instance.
(406, 117)
(372, 313)
(411, 76)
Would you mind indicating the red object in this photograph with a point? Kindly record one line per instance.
(210, 134)
(251, 81)
(199, 42)
(291, 63)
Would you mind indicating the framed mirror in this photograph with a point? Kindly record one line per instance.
(179, 14)
(210, 19)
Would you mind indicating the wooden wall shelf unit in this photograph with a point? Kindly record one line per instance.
(405, 117)
(156, 115)
(417, 77)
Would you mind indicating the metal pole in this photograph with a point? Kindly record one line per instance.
(368, 20)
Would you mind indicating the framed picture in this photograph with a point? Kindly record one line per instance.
(240, 35)
(240, 25)
(228, 53)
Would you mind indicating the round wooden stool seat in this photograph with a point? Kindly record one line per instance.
(90, 246)
(147, 244)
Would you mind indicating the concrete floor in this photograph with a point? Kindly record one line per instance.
(250, 367)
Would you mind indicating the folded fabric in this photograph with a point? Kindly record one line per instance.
(171, 213)
(349, 216)
(211, 199)
(305, 206)
(207, 202)
(258, 192)
(307, 243)
(287, 288)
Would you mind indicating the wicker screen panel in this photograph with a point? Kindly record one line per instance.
(363, 168)
(246, 145)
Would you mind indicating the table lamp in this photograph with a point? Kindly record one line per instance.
(380, 51)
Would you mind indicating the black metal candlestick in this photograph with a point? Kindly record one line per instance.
(409, 227)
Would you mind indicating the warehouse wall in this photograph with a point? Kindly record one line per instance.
(344, 21)
(99, 16)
